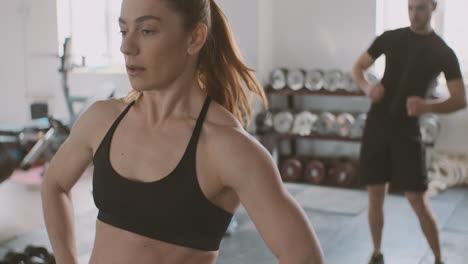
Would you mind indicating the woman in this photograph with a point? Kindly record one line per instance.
(172, 161)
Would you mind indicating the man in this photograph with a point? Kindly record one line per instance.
(391, 147)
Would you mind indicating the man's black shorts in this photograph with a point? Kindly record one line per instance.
(392, 152)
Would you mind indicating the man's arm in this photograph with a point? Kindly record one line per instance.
(456, 101)
(362, 64)
(374, 91)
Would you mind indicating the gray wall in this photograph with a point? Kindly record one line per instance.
(326, 33)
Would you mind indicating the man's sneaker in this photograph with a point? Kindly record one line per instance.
(376, 259)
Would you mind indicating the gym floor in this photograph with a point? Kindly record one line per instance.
(339, 217)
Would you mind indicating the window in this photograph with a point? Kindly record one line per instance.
(456, 31)
(94, 30)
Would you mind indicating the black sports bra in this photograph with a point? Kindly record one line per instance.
(173, 209)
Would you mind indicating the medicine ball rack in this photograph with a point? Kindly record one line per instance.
(292, 138)
(290, 103)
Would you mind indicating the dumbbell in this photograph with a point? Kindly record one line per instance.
(303, 123)
(326, 124)
(16, 258)
(349, 84)
(344, 124)
(278, 79)
(283, 122)
(39, 255)
(358, 127)
(296, 79)
(315, 172)
(333, 80)
(342, 173)
(314, 80)
(430, 127)
(291, 170)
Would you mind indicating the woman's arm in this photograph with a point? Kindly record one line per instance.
(247, 168)
(65, 169)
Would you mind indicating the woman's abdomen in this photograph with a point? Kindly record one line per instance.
(117, 246)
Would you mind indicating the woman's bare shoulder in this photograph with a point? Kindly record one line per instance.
(97, 119)
(218, 116)
(103, 110)
(224, 132)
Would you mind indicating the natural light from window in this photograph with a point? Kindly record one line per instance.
(93, 26)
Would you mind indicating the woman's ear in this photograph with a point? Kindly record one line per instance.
(197, 39)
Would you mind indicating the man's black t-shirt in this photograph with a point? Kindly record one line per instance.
(413, 62)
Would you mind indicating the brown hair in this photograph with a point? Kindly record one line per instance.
(222, 72)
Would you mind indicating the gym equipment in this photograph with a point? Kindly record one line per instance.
(342, 173)
(41, 143)
(296, 79)
(314, 80)
(7, 164)
(333, 80)
(39, 110)
(304, 123)
(446, 171)
(25, 134)
(315, 172)
(47, 146)
(291, 170)
(31, 255)
(358, 127)
(349, 84)
(15, 142)
(429, 127)
(264, 122)
(58, 132)
(39, 255)
(278, 79)
(326, 124)
(16, 258)
(344, 124)
(65, 67)
(283, 121)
